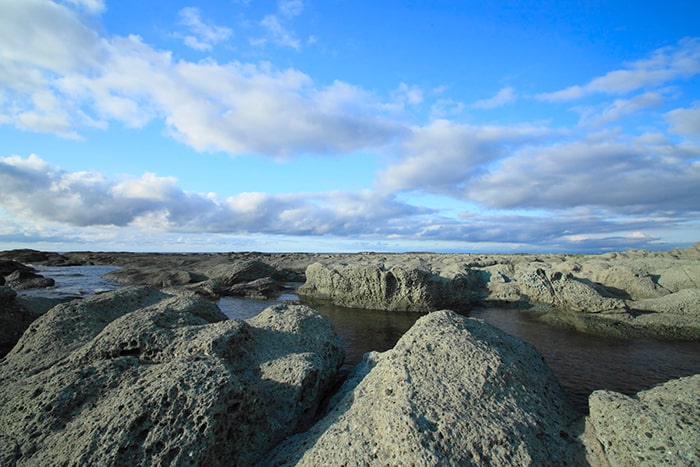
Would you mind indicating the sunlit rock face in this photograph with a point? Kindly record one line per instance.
(453, 390)
(139, 377)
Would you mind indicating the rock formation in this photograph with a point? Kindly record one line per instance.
(136, 377)
(453, 390)
(659, 426)
(21, 277)
(629, 294)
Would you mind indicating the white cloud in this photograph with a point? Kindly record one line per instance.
(505, 96)
(34, 189)
(202, 36)
(277, 33)
(685, 122)
(622, 107)
(663, 66)
(443, 156)
(232, 107)
(620, 177)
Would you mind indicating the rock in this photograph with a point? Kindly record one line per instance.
(373, 286)
(264, 288)
(659, 426)
(453, 391)
(14, 319)
(21, 277)
(138, 377)
(153, 276)
(563, 290)
(36, 257)
(229, 274)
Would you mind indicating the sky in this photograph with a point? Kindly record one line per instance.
(344, 126)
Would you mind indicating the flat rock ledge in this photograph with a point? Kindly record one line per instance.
(453, 391)
(139, 377)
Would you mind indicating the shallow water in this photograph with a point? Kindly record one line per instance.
(582, 363)
(74, 281)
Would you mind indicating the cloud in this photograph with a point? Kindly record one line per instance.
(277, 34)
(620, 108)
(626, 178)
(91, 6)
(443, 157)
(290, 8)
(32, 188)
(150, 207)
(276, 29)
(233, 107)
(504, 96)
(685, 121)
(202, 36)
(664, 65)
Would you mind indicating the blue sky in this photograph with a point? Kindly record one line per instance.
(337, 125)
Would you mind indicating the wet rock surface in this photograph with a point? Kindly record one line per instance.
(137, 376)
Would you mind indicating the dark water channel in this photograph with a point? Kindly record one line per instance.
(583, 363)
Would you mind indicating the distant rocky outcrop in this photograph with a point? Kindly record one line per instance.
(629, 294)
(139, 377)
(453, 391)
(658, 426)
(411, 286)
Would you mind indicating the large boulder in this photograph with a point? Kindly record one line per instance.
(453, 391)
(139, 377)
(658, 426)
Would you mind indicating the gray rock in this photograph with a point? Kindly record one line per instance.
(21, 277)
(659, 426)
(453, 391)
(545, 285)
(138, 377)
(14, 319)
(153, 276)
(236, 272)
(375, 286)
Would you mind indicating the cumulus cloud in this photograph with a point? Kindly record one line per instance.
(32, 188)
(232, 107)
(665, 64)
(201, 36)
(623, 177)
(505, 96)
(443, 157)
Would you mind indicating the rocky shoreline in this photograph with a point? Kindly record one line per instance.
(154, 373)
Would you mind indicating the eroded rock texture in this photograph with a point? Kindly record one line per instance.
(139, 377)
(453, 391)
